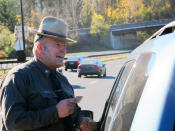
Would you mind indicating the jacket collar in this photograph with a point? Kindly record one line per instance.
(43, 67)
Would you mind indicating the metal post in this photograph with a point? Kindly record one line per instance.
(22, 56)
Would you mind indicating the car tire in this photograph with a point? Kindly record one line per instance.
(79, 75)
(99, 75)
(104, 75)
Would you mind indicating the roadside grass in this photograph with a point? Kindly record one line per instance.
(77, 53)
(110, 58)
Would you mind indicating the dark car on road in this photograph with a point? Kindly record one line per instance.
(143, 95)
(92, 67)
(73, 62)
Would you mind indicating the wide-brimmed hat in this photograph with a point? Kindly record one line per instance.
(54, 28)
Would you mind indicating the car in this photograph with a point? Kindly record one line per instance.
(92, 67)
(143, 94)
(73, 62)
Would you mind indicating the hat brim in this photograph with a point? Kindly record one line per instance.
(67, 40)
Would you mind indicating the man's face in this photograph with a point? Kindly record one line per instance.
(53, 52)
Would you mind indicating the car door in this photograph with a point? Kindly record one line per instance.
(126, 93)
(110, 103)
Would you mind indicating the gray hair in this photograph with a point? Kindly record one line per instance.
(36, 40)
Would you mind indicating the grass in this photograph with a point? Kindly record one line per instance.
(110, 58)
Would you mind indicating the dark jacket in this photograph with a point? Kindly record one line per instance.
(28, 101)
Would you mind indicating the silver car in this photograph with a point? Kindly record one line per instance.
(143, 95)
(92, 67)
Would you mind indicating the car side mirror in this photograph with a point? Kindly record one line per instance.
(86, 113)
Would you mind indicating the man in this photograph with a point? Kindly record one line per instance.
(36, 97)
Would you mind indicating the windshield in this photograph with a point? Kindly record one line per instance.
(90, 62)
(74, 58)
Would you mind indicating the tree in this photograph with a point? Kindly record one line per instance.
(7, 41)
(8, 12)
(87, 13)
(99, 28)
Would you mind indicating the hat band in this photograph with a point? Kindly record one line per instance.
(53, 34)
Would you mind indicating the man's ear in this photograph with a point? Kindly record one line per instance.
(39, 46)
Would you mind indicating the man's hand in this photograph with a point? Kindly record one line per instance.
(87, 124)
(66, 107)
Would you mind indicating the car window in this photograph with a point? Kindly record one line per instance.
(80, 59)
(130, 91)
(73, 58)
(118, 86)
(99, 63)
(89, 62)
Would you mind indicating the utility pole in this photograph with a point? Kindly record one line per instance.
(21, 54)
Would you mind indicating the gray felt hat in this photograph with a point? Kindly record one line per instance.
(54, 28)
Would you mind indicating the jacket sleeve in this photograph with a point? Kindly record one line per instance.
(15, 114)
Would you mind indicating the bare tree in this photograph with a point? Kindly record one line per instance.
(74, 9)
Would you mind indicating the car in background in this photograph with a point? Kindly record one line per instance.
(143, 94)
(73, 62)
(92, 67)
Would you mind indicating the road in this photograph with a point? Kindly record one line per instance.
(94, 90)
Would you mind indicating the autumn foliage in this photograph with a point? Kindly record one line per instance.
(97, 15)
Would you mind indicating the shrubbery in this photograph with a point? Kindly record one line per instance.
(7, 40)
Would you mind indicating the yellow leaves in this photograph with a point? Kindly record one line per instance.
(118, 15)
(97, 21)
(129, 11)
(109, 12)
(124, 11)
(18, 16)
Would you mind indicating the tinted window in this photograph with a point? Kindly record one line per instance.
(129, 92)
(117, 92)
(99, 63)
(74, 58)
(90, 62)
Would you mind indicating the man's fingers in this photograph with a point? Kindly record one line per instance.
(72, 100)
(88, 124)
(92, 125)
(84, 124)
(75, 100)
